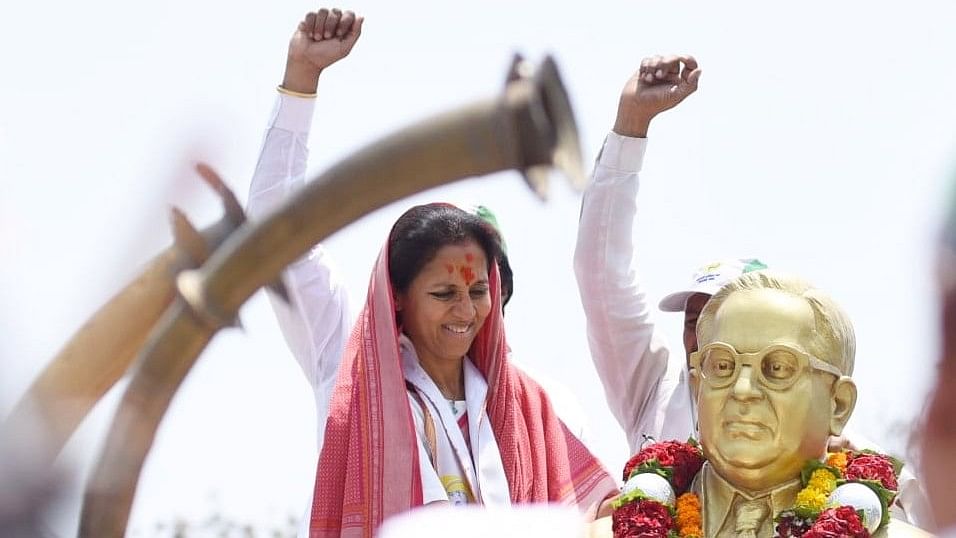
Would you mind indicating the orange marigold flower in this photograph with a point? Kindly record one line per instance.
(838, 460)
(688, 516)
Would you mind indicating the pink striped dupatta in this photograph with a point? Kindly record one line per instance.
(368, 469)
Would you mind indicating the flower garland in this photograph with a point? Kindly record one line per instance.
(847, 494)
(654, 501)
(689, 518)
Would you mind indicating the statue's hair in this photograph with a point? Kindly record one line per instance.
(834, 340)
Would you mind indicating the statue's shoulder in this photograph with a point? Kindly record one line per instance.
(897, 529)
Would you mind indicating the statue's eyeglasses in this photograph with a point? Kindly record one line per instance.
(777, 367)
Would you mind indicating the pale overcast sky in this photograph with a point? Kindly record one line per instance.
(821, 140)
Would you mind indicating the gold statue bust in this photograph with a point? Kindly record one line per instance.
(772, 383)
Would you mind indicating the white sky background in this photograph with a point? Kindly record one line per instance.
(821, 141)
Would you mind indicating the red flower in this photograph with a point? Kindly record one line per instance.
(872, 467)
(642, 519)
(684, 460)
(842, 522)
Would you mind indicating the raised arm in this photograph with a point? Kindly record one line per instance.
(316, 322)
(631, 359)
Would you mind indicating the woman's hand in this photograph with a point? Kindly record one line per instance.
(321, 39)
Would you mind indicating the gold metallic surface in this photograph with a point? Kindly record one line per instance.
(755, 437)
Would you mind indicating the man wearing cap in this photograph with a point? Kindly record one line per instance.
(707, 281)
(647, 386)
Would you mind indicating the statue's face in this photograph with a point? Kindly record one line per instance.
(756, 431)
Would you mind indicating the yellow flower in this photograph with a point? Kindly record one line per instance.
(689, 516)
(823, 481)
(810, 500)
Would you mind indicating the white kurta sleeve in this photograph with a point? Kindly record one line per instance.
(630, 358)
(316, 322)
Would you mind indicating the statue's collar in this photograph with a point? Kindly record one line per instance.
(718, 497)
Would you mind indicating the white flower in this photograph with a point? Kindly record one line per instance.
(862, 499)
(653, 485)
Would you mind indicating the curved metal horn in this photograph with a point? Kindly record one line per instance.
(566, 155)
(100, 352)
(519, 130)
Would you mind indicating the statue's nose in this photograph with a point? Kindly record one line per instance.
(745, 387)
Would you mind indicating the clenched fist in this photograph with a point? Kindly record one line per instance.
(321, 39)
(661, 83)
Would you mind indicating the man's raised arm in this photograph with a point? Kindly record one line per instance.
(631, 360)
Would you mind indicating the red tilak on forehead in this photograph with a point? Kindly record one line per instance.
(469, 257)
(450, 268)
(467, 273)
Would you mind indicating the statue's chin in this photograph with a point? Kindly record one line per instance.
(747, 461)
(743, 453)
(755, 466)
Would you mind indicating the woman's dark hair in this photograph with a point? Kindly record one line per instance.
(422, 230)
(507, 279)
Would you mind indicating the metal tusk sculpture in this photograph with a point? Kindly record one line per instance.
(101, 351)
(529, 126)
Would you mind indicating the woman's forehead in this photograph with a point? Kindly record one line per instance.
(468, 251)
(459, 262)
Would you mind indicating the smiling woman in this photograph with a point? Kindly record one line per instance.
(443, 303)
(427, 405)
(420, 404)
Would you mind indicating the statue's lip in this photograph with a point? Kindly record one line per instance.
(744, 424)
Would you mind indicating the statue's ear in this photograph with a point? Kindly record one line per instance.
(842, 402)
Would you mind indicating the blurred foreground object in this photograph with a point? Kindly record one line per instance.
(938, 438)
(101, 351)
(528, 127)
(474, 522)
(28, 485)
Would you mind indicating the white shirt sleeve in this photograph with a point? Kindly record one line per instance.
(315, 323)
(630, 357)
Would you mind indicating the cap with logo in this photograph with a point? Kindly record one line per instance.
(708, 279)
